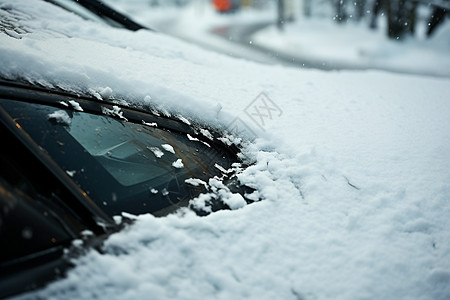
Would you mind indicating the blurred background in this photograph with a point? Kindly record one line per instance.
(407, 36)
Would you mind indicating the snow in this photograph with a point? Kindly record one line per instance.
(307, 42)
(206, 133)
(221, 169)
(71, 173)
(195, 182)
(233, 200)
(152, 124)
(178, 164)
(106, 92)
(75, 105)
(183, 119)
(60, 116)
(191, 138)
(353, 175)
(354, 46)
(156, 151)
(168, 148)
(115, 111)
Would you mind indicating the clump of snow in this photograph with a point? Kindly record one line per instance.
(221, 169)
(152, 124)
(178, 164)
(86, 233)
(183, 119)
(217, 191)
(117, 219)
(61, 117)
(233, 200)
(71, 173)
(129, 216)
(203, 202)
(196, 182)
(165, 192)
(230, 139)
(191, 138)
(106, 92)
(75, 105)
(94, 93)
(206, 133)
(156, 151)
(115, 111)
(168, 148)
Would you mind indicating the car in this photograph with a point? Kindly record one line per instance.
(74, 169)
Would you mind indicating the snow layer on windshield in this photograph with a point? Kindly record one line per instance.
(352, 167)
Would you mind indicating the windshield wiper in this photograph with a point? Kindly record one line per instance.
(104, 12)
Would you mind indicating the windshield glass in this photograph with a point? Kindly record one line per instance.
(123, 166)
(133, 153)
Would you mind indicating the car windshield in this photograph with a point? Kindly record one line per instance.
(133, 153)
(123, 166)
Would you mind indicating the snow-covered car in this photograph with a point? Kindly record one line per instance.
(74, 169)
(70, 167)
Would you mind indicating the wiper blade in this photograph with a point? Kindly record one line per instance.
(103, 10)
(107, 13)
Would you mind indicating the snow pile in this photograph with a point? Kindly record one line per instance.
(352, 167)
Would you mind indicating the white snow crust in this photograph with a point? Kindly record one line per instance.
(353, 175)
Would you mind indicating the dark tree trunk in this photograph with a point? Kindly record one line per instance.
(436, 19)
(340, 16)
(401, 18)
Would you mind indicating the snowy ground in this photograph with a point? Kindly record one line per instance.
(353, 168)
(319, 42)
(311, 42)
